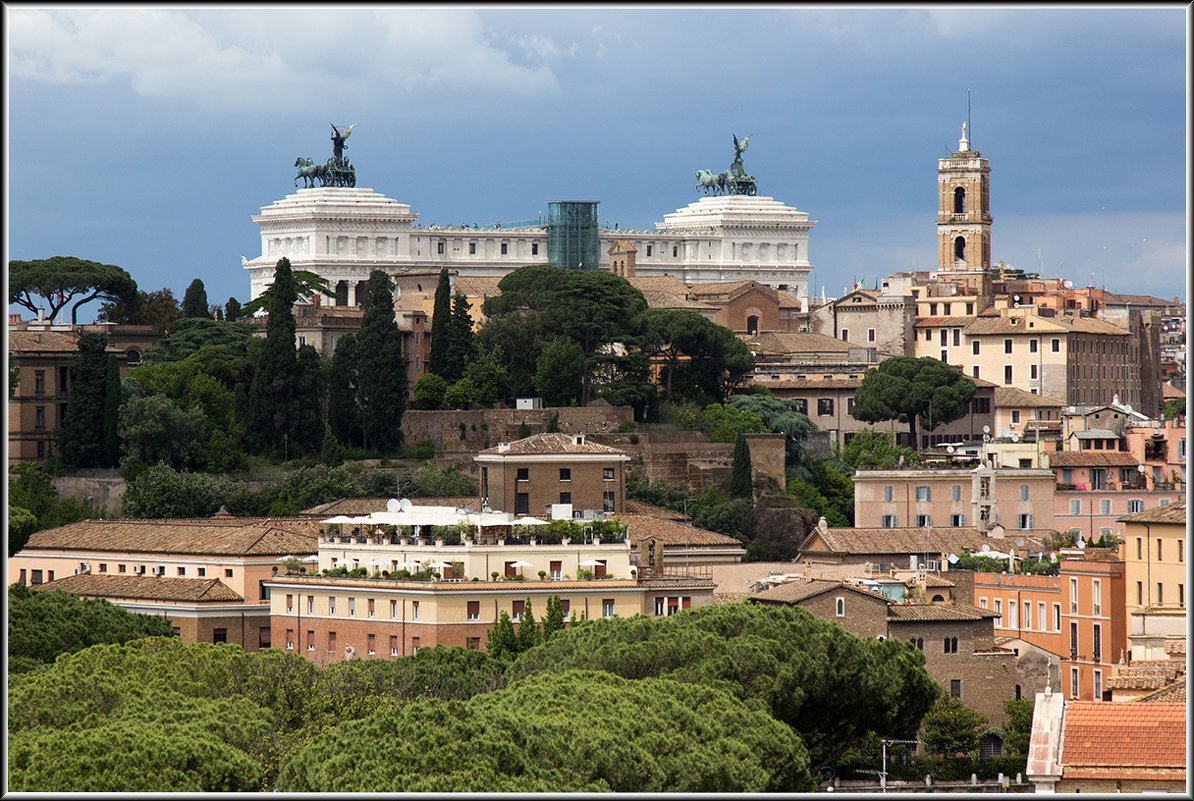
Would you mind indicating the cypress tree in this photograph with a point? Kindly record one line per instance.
(232, 309)
(310, 393)
(741, 472)
(343, 415)
(441, 324)
(381, 367)
(528, 632)
(111, 413)
(502, 642)
(81, 437)
(194, 302)
(272, 394)
(553, 621)
(460, 339)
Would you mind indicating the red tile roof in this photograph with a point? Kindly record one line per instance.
(1092, 459)
(1123, 735)
(907, 540)
(792, 592)
(1170, 513)
(234, 536)
(362, 506)
(146, 588)
(42, 342)
(1174, 693)
(563, 444)
(939, 611)
(671, 531)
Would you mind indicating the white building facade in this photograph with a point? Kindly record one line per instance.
(343, 234)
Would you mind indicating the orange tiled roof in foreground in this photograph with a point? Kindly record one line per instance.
(1170, 694)
(1170, 513)
(1106, 739)
(233, 536)
(145, 588)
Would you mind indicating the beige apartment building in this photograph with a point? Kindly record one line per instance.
(534, 474)
(1154, 552)
(1017, 499)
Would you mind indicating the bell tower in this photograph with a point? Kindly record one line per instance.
(963, 213)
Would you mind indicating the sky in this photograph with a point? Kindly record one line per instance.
(147, 137)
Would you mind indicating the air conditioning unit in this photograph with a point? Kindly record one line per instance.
(155, 570)
(139, 569)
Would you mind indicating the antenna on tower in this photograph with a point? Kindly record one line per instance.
(969, 127)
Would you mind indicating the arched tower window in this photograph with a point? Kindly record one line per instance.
(959, 200)
(960, 248)
(752, 324)
(341, 293)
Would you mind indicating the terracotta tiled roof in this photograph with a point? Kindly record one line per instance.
(1092, 459)
(1096, 433)
(792, 592)
(809, 383)
(664, 299)
(985, 325)
(940, 611)
(537, 444)
(1133, 735)
(665, 283)
(145, 588)
(41, 341)
(1014, 396)
(1174, 693)
(1176, 646)
(1170, 513)
(672, 532)
(1170, 391)
(1093, 325)
(234, 536)
(934, 581)
(906, 540)
(478, 285)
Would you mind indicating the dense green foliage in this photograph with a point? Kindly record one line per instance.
(829, 686)
(272, 391)
(381, 367)
(869, 448)
(45, 623)
(909, 389)
(81, 437)
(1175, 407)
(951, 727)
(194, 301)
(431, 482)
(34, 505)
(1018, 729)
(577, 731)
(159, 309)
(441, 325)
(741, 472)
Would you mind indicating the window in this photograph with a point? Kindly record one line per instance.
(982, 603)
(1007, 346)
(219, 635)
(352, 607)
(607, 474)
(1097, 643)
(607, 501)
(1027, 620)
(607, 607)
(845, 334)
(39, 417)
(393, 610)
(1180, 555)
(649, 249)
(955, 688)
(974, 371)
(517, 610)
(944, 337)
(950, 645)
(1055, 345)
(565, 474)
(800, 405)
(1140, 592)
(523, 474)
(1160, 594)
(923, 494)
(505, 249)
(1075, 506)
(439, 248)
(415, 642)
(1026, 521)
(371, 609)
(824, 406)
(372, 643)
(1056, 617)
(1104, 506)
(1159, 556)
(1011, 614)
(289, 639)
(870, 335)
(39, 382)
(182, 571)
(474, 610)
(534, 248)
(1007, 374)
(310, 604)
(889, 521)
(924, 520)
(1073, 596)
(202, 572)
(998, 612)
(472, 248)
(289, 602)
(974, 347)
(332, 605)
(472, 643)
(887, 493)
(120, 568)
(1032, 373)
(310, 640)
(554, 569)
(566, 607)
(1073, 639)
(957, 492)
(957, 521)
(1015, 416)
(1073, 682)
(675, 251)
(414, 610)
(840, 606)
(393, 645)
(1098, 685)
(565, 497)
(227, 572)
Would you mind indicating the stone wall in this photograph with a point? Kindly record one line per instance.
(103, 491)
(477, 429)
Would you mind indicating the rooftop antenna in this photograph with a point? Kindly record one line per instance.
(969, 127)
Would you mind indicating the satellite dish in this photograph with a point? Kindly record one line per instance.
(1080, 543)
(1068, 284)
(986, 548)
(393, 505)
(952, 559)
(1140, 468)
(986, 429)
(1005, 431)
(1016, 298)
(949, 448)
(1015, 437)
(406, 504)
(1019, 542)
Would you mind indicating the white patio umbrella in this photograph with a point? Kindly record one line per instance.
(590, 563)
(284, 558)
(439, 564)
(311, 558)
(521, 564)
(530, 521)
(339, 519)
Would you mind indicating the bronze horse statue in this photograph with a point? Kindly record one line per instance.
(309, 172)
(710, 182)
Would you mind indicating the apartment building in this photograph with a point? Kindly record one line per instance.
(1154, 553)
(1017, 499)
(1094, 620)
(208, 576)
(534, 474)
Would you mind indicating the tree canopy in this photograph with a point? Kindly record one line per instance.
(63, 281)
(828, 685)
(81, 438)
(909, 389)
